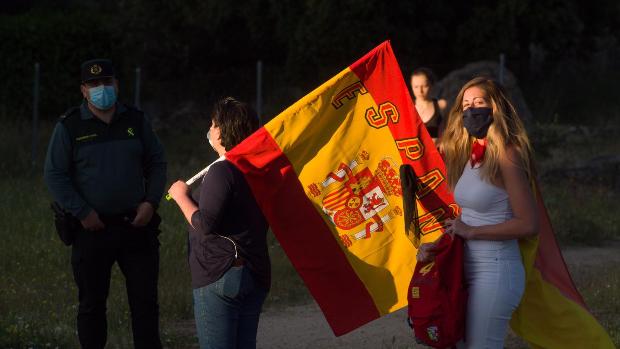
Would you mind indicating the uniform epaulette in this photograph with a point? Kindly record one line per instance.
(69, 112)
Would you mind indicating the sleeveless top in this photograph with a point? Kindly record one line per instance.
(434, 123)
(483, 203)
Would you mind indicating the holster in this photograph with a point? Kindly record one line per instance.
(66, 224)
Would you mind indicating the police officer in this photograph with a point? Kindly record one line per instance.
(106, 166)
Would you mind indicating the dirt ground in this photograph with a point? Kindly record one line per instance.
(305, 327)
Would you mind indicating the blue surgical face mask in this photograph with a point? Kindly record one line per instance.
(477, 121)
(102, 97)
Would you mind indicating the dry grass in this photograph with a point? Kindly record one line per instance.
(38, 295)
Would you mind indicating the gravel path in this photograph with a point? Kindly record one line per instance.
(300, 327)
(305, 327)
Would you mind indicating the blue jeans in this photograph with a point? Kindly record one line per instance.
(227, 310)
(496, 281)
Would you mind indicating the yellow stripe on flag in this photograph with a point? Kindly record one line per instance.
(341, 138)
(546, 318)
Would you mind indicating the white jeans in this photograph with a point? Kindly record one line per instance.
(496, 280)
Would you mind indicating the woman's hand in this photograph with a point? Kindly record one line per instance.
(457, 227)
(179, 192)
(178, 189)
(426, 252)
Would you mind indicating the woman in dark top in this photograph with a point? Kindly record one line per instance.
(228, 258)
(429, 109)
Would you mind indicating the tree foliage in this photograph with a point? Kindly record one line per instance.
(193, 48)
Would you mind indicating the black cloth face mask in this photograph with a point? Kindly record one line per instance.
(477, 121)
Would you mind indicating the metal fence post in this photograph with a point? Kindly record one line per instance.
(259, 90)
(502, 63)
(35, 114)
(136, 101)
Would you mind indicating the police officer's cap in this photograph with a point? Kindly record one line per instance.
(97, 69)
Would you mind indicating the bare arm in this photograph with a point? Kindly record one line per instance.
(442, 103)
(525, 215)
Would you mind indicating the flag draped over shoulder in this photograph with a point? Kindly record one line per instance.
(552, 313)
(325, 172)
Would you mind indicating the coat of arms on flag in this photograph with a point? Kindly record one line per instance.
(358, 200)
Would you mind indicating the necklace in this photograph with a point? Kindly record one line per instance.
(422, 110)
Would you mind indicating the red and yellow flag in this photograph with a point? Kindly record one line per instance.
(326, 175)
(325, 172)
(552, 313)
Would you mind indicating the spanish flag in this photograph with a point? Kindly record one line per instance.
(552, 313)
(326, 174)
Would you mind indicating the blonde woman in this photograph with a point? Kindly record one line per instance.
(489, 165)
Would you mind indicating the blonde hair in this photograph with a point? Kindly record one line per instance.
(507, 129)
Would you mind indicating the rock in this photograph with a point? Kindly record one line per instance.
(452, 83)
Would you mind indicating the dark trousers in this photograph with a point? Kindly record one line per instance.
(137, 253)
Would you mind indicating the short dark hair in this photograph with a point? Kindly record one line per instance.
(426, 72)
(236, 120)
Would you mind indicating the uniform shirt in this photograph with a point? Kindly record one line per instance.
(228, 217)
(110, 168)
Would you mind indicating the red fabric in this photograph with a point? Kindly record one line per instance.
(477, 152)
(303, 234)
(549, 260)
(380, 83)
(438, 296)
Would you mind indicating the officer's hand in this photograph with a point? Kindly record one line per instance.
(92, 222)
(143, 215)
(178, 189)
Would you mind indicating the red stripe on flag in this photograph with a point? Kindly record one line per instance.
(303, 234)
(549, 260)
(379, 72)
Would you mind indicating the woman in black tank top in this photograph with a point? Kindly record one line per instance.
(429, 109)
